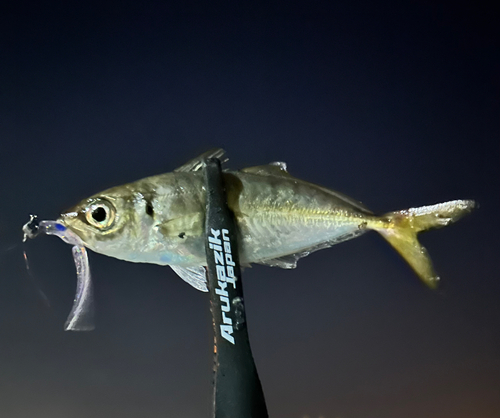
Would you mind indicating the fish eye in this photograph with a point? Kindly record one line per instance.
(100, 214)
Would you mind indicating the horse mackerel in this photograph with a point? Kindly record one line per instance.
(280, 218)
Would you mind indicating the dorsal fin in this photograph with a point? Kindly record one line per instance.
(273, 169)
(197, 163)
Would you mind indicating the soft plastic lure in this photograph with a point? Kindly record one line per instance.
(81, 317)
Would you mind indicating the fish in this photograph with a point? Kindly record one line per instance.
(280, 219)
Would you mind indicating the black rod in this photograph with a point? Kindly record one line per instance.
(237, 388)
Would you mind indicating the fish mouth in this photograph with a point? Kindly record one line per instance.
(72, 220)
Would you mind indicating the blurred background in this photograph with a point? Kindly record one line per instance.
(393, 103)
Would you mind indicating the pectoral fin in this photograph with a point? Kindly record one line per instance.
(195, 276)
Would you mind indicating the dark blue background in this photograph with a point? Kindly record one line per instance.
(396, 105)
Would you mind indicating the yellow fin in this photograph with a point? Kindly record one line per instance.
(403, 226)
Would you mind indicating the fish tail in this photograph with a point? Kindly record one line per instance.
(400, 228)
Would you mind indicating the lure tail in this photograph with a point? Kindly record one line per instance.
(401, 229)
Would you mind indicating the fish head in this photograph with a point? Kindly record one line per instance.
(103, 221)
(153, 220)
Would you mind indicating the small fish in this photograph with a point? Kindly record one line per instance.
(160, 220)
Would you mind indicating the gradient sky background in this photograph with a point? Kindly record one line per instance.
(395, 105)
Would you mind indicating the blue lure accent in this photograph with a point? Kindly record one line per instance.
(60, 227)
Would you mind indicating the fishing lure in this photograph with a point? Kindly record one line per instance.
(81, 317)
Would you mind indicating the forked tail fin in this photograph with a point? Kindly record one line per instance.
(403, 226)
